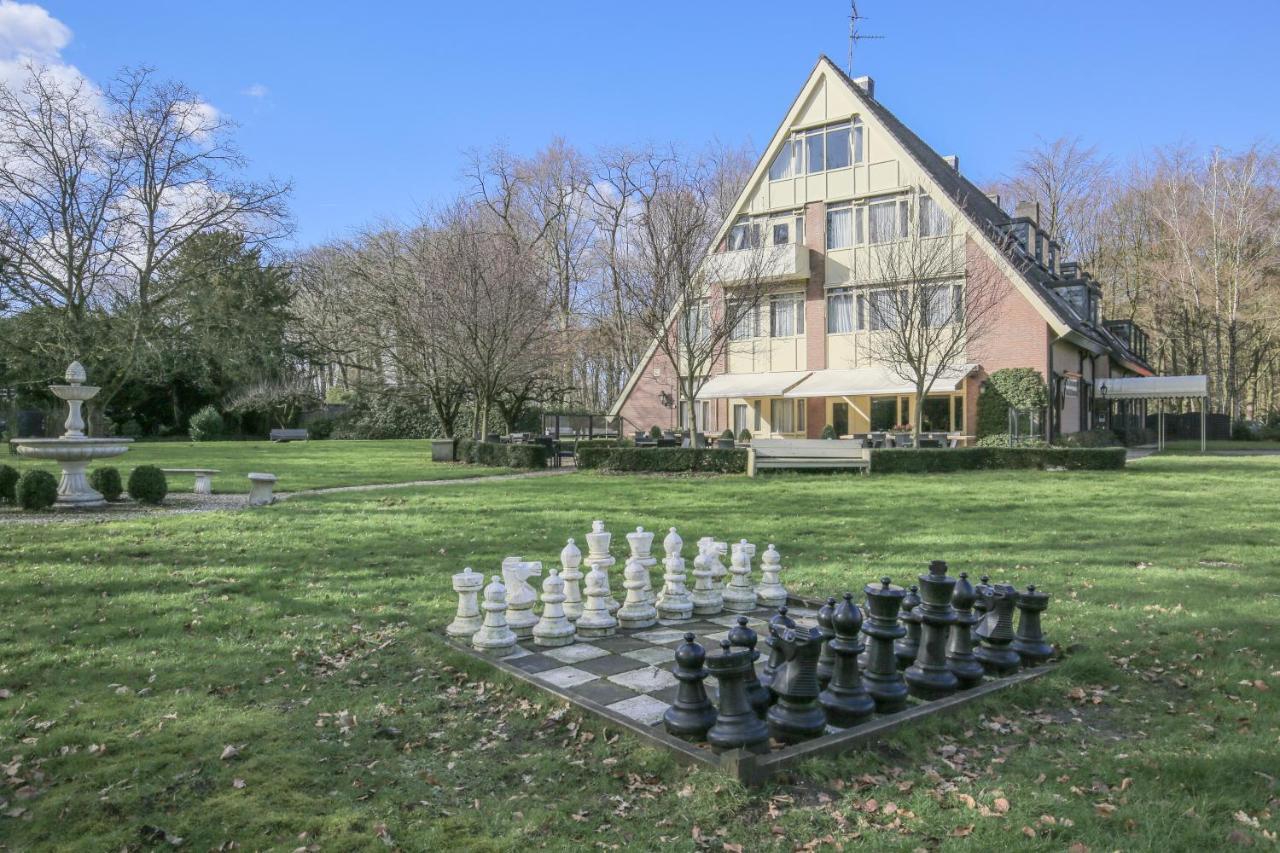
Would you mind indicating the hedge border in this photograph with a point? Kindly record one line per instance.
(666, 460)
(943, 460)
(498, 455)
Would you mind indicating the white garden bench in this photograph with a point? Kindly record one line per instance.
(204, 486)
(780, 453)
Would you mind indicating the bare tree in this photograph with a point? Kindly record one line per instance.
(1069, 180)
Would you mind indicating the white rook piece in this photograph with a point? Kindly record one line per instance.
(740, 596)
(598, 556)
(554, 628)
(571, 574)
(706, 598)
(770, 592)
(494, 635)
(596, 620)
(673, 603)
(467, 621)
(521, 596)
(636, 611)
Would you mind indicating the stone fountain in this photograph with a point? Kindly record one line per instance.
(73, 451)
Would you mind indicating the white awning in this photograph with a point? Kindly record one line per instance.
(870, 380)
(1152, 387)
(750, 384)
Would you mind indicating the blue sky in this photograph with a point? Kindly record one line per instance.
(368, 107)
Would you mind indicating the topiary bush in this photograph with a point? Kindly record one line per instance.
(727, 434)
(745, 435)
(36, 490)
(107, 481)
(655, 432)
(8, 483)
(147, 485)
(1021, 388)
(205, 425)
(829, 432)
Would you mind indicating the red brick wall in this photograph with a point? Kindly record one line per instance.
(1018, 336)
(815, 310)
(643, 408)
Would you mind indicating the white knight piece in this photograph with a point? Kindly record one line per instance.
(521, 596)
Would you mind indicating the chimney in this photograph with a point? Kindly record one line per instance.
(953, 161)
(995, 198)
(1028, 210)
(866, 84)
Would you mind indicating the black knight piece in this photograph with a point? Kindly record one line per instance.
(826, 658)
(929, 677)
(797, 716)
(881, 677)
(743, 637)
(908, 647)
(996, 633)
(780, 621)
(691, 714)
(736, 726)
(845, 699)
(1029, 641)
(960, 659)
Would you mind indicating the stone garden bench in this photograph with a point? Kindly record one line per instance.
(261, 487)
(283, 435)
(806, 453)
(204, 485)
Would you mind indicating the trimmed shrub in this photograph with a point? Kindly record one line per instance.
(8, 483)
(655, 432)
(829, 432)
(147, 484)
(205, 425)
(664, 459)
(1022, 388)
(497, 455)
(727, 434)
(745, 435)
(1243, 431)
(1001, 439)
(584, 443)
(1090, 438)
(107, 481)
(941, 461)
(36, 490)
(527, 455)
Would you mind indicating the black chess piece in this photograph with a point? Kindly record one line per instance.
(736, 726)
(1029, 641)
(781, 621)
(827, 658)
(980, 605)
(797, 716)
(929, 677)
(845, 699)
(743, 637)
(960, 659)
(908, 647)
(996, 633)
(881, 676)
(691, 714)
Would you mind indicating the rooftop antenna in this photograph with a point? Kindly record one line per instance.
(854, 35)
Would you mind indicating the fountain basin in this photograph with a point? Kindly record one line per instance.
(73, 455)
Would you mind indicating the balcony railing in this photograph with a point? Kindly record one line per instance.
(766, 263)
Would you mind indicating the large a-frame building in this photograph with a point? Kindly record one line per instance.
(841, 178)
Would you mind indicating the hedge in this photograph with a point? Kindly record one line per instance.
(664, 459)
(937, 461)
(147, 485)
(106, 480)
(8, 484)
(36, 489)
(497, 455)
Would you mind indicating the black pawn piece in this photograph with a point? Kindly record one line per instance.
(780, 621)
(797, 715)
(691, 714)
(909, 646)
(980, 604)
(929, 677)
(743, 637)
(846, 700)
(1029, 640)
(881, 677)
(960, 659)
(826, 658)
(736, 726)
(996, 633)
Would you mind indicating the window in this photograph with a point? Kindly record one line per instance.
(800, 230)
(887, 220)
(781, 234)
(739, 418)
(800, 407)
(748, 321)
(933, 221)
(859, 231)
(786, 315)
(838, 146)
(943, 304)
(814, 151)
(857, 142)
(935, 414)
(744, 234)
(884, 413)
(695, 322)
(781, 166)
(757, 407)
(838, 226)
(879, 310)
(839, 311)
(780, 415)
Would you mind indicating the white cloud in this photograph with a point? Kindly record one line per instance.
(257, 90)
(30, 35)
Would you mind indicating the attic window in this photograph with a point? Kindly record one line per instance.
(857, 141)
(781, 166)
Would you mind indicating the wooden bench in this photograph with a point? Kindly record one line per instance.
(779, 453)
(283, 435)
(203, 484)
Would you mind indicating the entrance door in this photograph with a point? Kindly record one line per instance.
(840, 418)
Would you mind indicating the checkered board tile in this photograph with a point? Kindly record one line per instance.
(630, 673)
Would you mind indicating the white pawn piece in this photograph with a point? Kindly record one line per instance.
(494, 636)
(674, 604)
(770, 592)
(521, 596)
(571, 574)
(636, 611)
(598, 556)
(554, 628)
(739, 596)
(705, 597)
(596, 620)
(467, 584)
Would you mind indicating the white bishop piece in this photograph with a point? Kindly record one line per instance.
(521, 596)
(636, 611)
(598, 556)
(674, 604)
(571, 574)
(740, 596)
(467, 584)
(494, 636)
(554, 628)
(770, 592)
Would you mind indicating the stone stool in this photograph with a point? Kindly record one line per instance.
(260, 488)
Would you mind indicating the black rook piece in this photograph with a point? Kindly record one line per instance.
(960, 659)
(980, 593)
(909, 615)
(692, 713)
(996, 633)
(736, 726)
(797, 715)
(1029, 641)
(846, 700)
(743, 637)
(882, 678)
(929, 677)
(780, 621)
(827, 658)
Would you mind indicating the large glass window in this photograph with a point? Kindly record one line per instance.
(880, 310)
(857, 142)
(739, 418)
(933, 221)
(839, 310)
(781, 233)
(748, 321)
(883, 219)
(884, 413)
(786, 315)
(695, 322)
(781, 166)
(839, 232)
(815, 159)
(942, 304)
(935, 414)
(780, 415)
(838, 146)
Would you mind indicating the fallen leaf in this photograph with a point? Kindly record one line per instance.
(1001, 805)
(962, 831)
(1104, 809)
(237, 783)
(229, 752)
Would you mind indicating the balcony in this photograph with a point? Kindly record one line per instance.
(763, 264)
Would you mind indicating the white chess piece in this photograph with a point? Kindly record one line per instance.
(554, 628)
(598, 556)
(770, 592)
(636, 611)
(674, 604)
(739, 596)
(571, 574)
(596, 620)
(714, 551)
(705, 597)
(494, 636)
(521, 596)
(641, 542)
(467, 584)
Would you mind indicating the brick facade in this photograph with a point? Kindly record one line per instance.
(815, 310)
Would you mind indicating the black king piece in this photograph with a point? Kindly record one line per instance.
(882, 678)
(929, 677)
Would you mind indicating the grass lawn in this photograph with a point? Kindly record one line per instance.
(1193, 446)
(298, 464)
(302, 637)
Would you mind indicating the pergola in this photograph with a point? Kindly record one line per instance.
(1160, 388)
